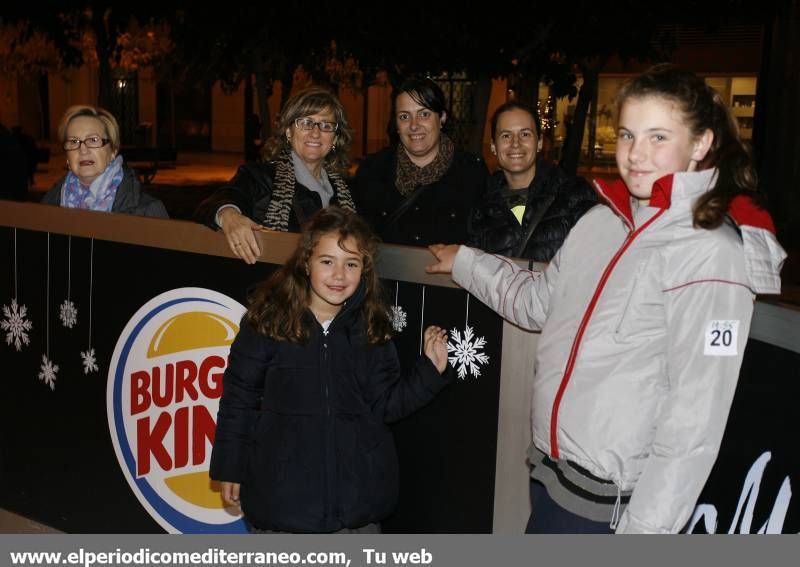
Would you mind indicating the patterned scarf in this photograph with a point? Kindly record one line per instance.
(99, 196)
(280, 205)
(409, 176)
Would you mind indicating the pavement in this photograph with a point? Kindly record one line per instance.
(191, 168)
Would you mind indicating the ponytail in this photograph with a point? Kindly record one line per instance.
(736, 172)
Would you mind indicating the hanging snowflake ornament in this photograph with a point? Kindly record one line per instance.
(398, 318)
(69, 314)
(89, 361)
(466, 357)
(48, 371)
(16, 325)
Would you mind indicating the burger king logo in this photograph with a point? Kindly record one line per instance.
(164, 386)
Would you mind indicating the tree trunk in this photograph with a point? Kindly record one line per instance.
(263, 91)
(365, 120)
(103, 48)
(482, 90)
(572, 145)
(592, 128)
(548, 133)
(286, 83)
(526, 89)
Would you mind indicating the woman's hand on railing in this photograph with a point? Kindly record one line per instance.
(445, 254)
(239, 232)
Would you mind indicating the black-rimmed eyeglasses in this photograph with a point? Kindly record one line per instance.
(94, 142)
(308, 124)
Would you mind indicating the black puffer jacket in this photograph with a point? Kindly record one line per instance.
(129, 199)
(440, 212)
(555, 198)
(302, 426)
(251, 190)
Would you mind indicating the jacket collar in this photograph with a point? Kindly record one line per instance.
(128, 192)
(349, 311)
(666, 190)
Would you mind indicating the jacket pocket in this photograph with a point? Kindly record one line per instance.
(628, 304)
(369, 477)
(285, 487)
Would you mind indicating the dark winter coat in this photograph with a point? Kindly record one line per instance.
(129, 200)
(251, 190)
(554, 198)
(302, 426)
(439, 213)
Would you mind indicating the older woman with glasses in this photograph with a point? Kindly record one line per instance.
(300, 175)
(97, 179)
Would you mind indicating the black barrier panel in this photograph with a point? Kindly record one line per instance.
(447, 450)
(759, 455)
(58, 465)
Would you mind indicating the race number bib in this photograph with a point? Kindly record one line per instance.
(721, 338)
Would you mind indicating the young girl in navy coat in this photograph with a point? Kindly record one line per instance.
(312, 379)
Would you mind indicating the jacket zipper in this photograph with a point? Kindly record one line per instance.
(330, 505)
(587, 315)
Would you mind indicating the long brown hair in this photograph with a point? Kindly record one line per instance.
(703, 109)
(278, 307)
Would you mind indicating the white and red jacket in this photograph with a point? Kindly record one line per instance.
(644, 322)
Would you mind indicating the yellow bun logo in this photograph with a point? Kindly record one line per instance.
(186, 331)
(165, 381)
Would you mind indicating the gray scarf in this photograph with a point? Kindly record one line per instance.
(321, 186)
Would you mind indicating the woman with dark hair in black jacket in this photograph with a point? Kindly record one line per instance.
(419, 190)
(530, 205)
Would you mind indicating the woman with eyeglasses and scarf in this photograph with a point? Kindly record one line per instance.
(420, 190)
(299, 175)
(97, 179)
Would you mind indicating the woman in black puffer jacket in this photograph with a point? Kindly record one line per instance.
(530, 206)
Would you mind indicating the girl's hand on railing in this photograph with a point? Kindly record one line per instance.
(445, 254)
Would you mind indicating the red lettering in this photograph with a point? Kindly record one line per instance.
(211, 386)
(140, 397)
(186, 373)
(162, 390)
(151, 442)
(203, 427)
(180, 438)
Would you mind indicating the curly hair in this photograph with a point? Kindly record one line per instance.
(703, 109)
(278, 307)
(305, 103)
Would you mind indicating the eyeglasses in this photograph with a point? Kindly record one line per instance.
(308, 124)
(94, 142)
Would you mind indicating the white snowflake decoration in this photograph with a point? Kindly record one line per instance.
(69, 314)
(16, 324)
(466, 353)
(48, 372)
(399, 318)
(89, 361)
